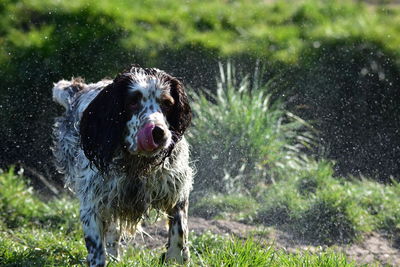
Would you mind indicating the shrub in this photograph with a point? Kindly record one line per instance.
(20, 206)
(240, 138)
(320, 208)
(17, 201)
(236, 207)
(326, 221)
(379, 201)
(44, 41)
(281, 204)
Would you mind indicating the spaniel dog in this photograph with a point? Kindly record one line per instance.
(121, 146)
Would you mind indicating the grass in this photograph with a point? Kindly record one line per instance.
(242, 135)
(41, 41)
(315, 206)
(252, 167)
(34, 240)
(236, 207)
(213, 25)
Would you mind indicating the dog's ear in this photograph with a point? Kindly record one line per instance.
(103, 122)
(180, 114)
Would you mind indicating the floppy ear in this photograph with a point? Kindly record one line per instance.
(180, 115)
(103, 123)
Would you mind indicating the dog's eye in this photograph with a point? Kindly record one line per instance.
(134, 101)
(133, 107)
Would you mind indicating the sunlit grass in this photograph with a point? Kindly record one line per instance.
(240, 136)
(236, 207)
(251, 166)
(34, 241)
(325, 209)
(222, 26)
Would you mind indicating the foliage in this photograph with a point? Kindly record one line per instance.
(236, 207)
(19, 206)
(37, 244)
(44, 41)
(240, 137)
(313, 205)
(321, 208)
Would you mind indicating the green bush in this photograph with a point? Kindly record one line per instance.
(240, 137)
(327, 221)
(379, 201)
(320, 208)
(19, 206)
(281, 204)
(236, 207)
(44, 41)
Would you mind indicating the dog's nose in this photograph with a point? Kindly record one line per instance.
(158, 135)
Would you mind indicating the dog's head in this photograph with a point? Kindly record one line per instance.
(143, 111)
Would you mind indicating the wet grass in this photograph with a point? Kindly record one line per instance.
(39, 237)
(253, 166)
(241, 136)
(219, 206)
(315, 206)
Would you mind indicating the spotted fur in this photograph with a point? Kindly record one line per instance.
(117, 182)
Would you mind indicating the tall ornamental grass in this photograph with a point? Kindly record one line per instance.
(240, 137)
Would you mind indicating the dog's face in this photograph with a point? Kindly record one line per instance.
(144, 111)
(147, 104)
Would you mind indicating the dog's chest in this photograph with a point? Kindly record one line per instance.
(159, 190)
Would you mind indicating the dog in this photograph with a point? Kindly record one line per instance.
(120, 144)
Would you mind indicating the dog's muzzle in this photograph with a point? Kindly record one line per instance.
(151, 137)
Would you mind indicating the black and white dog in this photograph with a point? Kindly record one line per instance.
(120, 144)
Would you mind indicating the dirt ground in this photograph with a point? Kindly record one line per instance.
(373, 249)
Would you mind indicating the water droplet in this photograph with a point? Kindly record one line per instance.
(316, 44)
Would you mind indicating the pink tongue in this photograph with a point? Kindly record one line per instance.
(145, 138)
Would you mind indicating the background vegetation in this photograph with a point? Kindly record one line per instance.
(255, 167)
(336, 63)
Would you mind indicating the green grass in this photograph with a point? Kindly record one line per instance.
(252, 167)
(42, 41)
(214, 25)
(20, 206)
(37, 241)
(236, 207)
(241, 135)
(314, 206)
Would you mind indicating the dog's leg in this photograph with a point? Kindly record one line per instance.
(112, 239)
(177, 246)
(93, 231)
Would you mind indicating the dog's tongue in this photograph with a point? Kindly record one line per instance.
(145, 138)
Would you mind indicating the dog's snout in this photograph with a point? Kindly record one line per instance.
(158, 135)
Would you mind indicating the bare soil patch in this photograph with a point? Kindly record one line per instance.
(374, 248)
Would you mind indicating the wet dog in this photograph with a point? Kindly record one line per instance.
(121, 146)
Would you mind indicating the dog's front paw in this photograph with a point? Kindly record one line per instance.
(180, 256)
